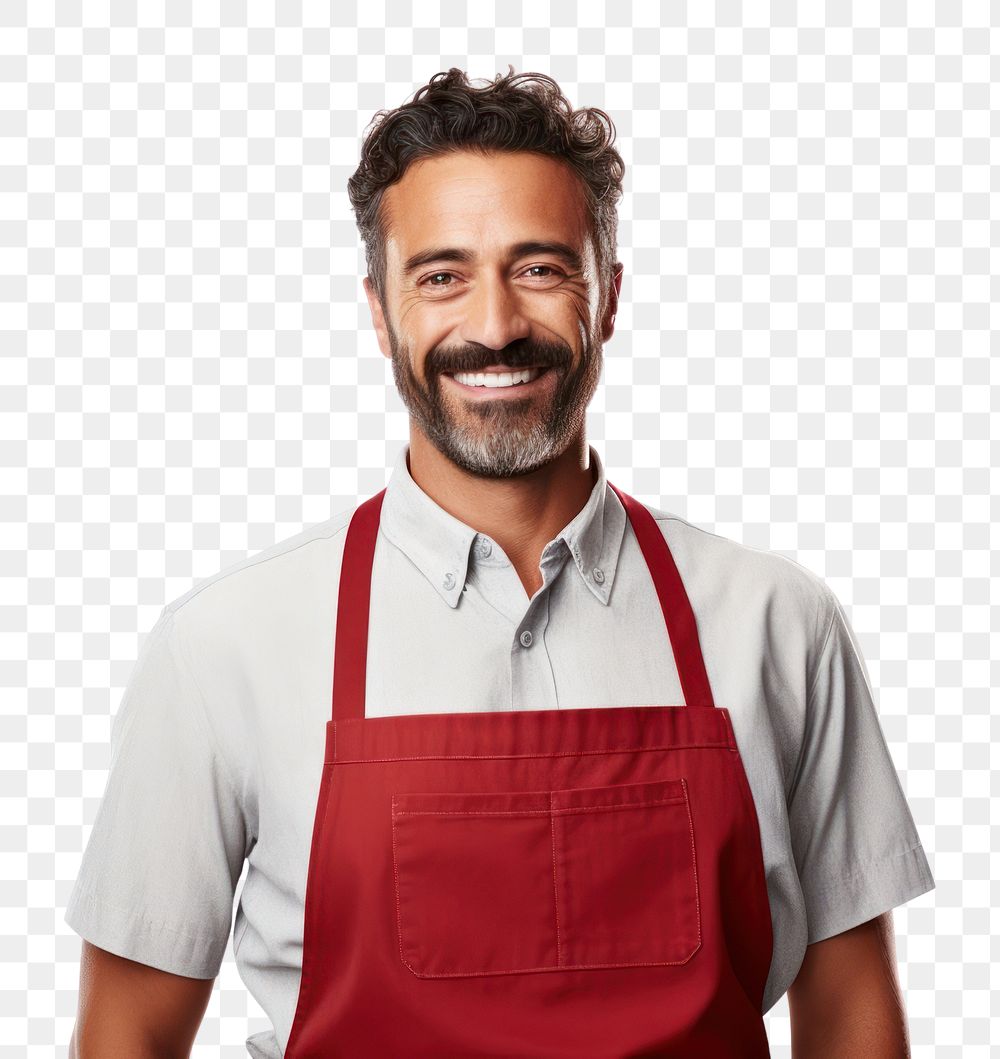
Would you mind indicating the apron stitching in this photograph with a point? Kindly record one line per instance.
(567, 810)
(694, 863)
(395, 875)
(567, 753)
(555, 888)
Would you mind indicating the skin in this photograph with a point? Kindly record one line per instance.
(497, 306)
(846, 999)
(128, 1008)
(515, 467)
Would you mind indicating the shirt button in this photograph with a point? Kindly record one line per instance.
(525, 638)
(449, 580)
(483, 548)
(598, 575)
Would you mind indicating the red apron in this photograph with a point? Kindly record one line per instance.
(569, 884)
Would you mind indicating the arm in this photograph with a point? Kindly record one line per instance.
(153, 898)
(129, 1008)
(858, 855)
(846, 999)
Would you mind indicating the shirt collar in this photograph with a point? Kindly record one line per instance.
(440, 545)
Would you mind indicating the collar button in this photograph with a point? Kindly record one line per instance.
(449, 580)
(598, 575)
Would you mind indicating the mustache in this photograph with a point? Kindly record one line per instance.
(543, 355)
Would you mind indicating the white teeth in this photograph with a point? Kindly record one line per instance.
(495, 380)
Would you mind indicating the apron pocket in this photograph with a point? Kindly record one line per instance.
(626, 875)
(517, 881)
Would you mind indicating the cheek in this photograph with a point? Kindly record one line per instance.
(571, 305)
(426, 325)
(569, 317)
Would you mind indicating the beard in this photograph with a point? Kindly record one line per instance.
(502, 437)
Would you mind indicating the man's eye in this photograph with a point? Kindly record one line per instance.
(431, 280)
(554, 271)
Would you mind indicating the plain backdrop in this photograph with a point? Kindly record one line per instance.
(802, 362)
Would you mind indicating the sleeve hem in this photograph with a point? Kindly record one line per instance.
(851, 899)
(136, 935)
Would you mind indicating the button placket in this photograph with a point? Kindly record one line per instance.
(533, 683)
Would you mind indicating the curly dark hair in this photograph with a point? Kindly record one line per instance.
(515, 112)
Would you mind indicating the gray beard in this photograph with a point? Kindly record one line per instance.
(504, 447)
(503, 454)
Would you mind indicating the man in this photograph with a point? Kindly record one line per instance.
(593, 782)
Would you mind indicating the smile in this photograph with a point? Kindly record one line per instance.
(494, 379)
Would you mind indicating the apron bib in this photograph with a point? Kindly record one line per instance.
(547, 884)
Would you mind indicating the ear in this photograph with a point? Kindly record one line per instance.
(608, 323)
(378, 318)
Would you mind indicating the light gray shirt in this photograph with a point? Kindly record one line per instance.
(217, 746)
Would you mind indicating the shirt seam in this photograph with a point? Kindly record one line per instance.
(833, 611)
(809, 698)
(278, 550)
(209, 733)
(819, 658)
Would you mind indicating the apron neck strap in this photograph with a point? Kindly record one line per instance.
(354, 605)
(677, 613)
(350, 658)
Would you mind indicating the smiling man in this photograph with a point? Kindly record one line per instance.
(520, 765)
(489, 254)
(505, 263)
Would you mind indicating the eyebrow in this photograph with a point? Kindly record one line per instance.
(464, 257)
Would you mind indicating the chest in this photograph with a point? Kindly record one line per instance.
(501, 650)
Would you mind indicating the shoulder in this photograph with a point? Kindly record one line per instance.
(745, 588)
(266, 596)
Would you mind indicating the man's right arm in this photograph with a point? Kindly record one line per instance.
(130, 1008)
(153, 899)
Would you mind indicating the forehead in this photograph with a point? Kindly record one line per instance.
(483, 202)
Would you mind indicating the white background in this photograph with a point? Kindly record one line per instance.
(802, 363)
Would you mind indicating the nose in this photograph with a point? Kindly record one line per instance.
(493, 315)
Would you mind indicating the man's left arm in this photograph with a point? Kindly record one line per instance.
(846, 999)
(858, 855)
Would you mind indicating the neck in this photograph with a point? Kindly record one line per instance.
(522, 514)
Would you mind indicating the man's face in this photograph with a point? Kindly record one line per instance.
(491, 274)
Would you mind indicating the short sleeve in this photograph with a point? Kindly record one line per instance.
(160, 869)
(854, 840)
